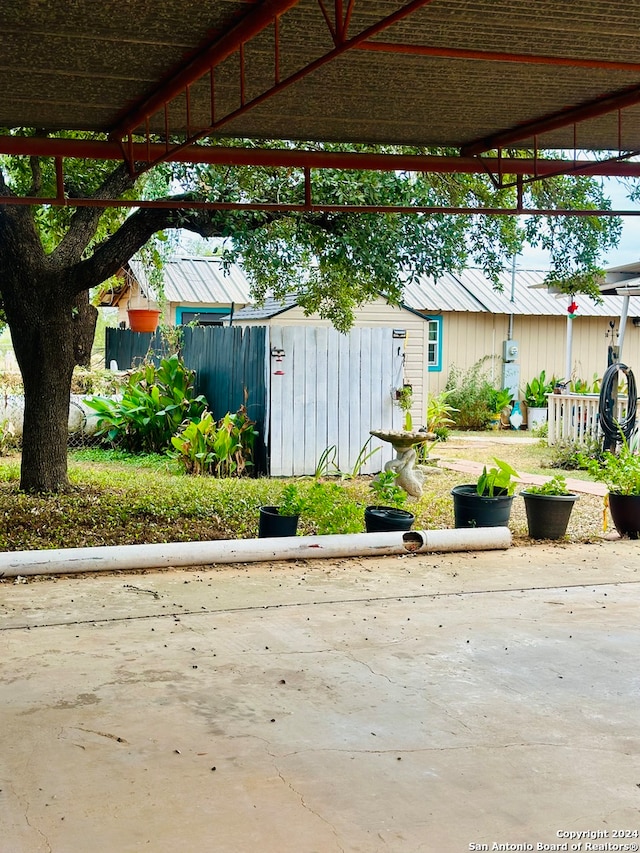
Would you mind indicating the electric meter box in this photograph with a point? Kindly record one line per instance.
(510, 350)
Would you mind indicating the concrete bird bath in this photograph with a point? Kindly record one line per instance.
(409, 475)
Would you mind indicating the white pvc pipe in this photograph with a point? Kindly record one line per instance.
(114, 558)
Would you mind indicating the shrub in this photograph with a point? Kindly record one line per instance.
(95, 381)
(571, 455)
(329, 508)
(472, 395)
(224, 449)
(155, 402)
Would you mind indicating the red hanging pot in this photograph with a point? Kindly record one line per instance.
(143, 319)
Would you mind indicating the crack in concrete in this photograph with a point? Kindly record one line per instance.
(318, 603)
(25, 809)
(428, 749)
(308, 808)
(352, 657)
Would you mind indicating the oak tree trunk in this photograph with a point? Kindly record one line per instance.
(48, 345)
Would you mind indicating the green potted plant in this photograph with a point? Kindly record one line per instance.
(404, 399)
(388, 514)
(486, 503)
(499, 401)
(548, 508)
(282, 519)
(620, 472)
(535, 398)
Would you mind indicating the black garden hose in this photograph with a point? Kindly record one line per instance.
(611, 427)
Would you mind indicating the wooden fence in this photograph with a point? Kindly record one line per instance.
(329, 390)
(308, 389)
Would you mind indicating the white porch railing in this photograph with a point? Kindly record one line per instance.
(574, 417)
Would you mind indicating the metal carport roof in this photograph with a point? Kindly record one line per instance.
(469, 75)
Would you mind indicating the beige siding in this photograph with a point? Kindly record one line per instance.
(542, 342)
(543, 345)
(466, 338)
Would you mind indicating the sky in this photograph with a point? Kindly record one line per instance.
(628, 250)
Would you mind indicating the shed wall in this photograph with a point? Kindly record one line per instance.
(378, 314)
(542, 343)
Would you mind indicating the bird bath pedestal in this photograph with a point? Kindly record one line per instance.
(409, 475)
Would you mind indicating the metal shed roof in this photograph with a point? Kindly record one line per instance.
(471, 291)
(202, 279)
(532, 298)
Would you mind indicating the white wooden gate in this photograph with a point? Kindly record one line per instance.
(330, 389)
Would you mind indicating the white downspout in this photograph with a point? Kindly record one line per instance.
(569, 356)
(623, 324)
(176, 554)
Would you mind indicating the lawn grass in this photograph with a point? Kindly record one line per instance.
(118, 499)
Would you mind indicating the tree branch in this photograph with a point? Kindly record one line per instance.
(134, 232)
(36, 175)
(20, 242)
(4, 188)
(85, 220)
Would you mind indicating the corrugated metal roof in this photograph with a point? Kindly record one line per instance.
(447, 294)
(471, 290)
(271, 308)
(204, 280)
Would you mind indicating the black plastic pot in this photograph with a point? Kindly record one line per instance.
(271, 523)
(381, 519)
(548, 515)
(473, 510)
(625, 512)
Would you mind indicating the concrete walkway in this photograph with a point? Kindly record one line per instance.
(424, 704)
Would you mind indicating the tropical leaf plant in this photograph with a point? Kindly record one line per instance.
(155, 402)
(498, 479)
(224, 448)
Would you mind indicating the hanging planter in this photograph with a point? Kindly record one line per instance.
(143, 319)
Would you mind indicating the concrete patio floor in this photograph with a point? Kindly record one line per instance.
(438, 703)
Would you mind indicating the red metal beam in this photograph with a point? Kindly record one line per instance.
(235, 41)
(555, 121)
(182, 204)
(497, 56)
(291, 158)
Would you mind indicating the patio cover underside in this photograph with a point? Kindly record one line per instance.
(470, 77)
